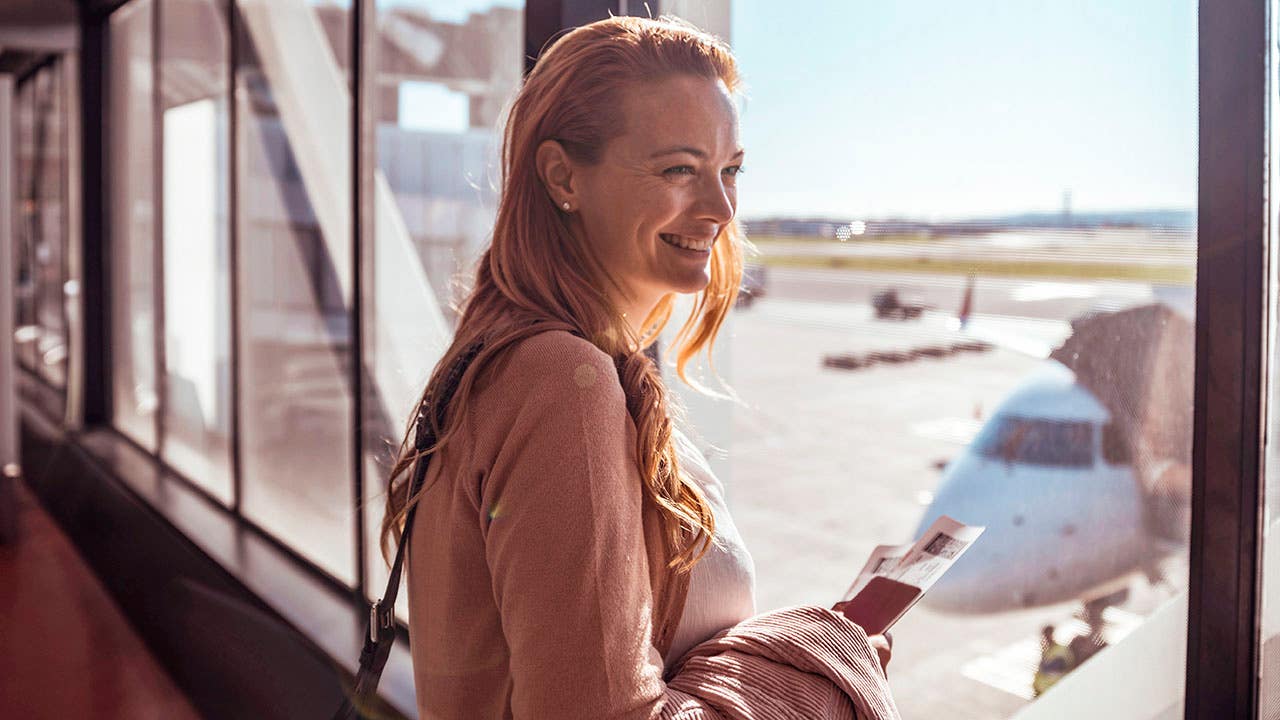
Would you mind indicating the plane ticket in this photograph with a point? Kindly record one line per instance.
(921, 563)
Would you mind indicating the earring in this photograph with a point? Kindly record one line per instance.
(565, 205)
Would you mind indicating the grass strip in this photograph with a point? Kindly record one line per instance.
(1161, 274)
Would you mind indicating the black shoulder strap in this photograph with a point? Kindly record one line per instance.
(381, 631)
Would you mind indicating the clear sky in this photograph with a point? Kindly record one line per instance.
(936, 110)
(944, 110)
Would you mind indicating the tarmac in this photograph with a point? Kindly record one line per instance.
(821, 464)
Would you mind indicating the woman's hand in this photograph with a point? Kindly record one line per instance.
(882, 644)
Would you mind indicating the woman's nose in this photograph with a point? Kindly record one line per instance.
(717, 201)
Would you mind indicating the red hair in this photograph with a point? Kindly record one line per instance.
(536, 270)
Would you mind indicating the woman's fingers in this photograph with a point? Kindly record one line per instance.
(883, 644)
(884, 650)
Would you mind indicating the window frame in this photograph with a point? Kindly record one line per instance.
(1231, 337)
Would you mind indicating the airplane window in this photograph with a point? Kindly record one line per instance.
(1035, 441)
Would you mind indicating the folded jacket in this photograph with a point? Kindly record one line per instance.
(804, 662)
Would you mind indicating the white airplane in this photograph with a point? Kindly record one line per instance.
(1064, 510)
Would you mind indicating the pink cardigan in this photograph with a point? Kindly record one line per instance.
(803, 662)
(536, 582)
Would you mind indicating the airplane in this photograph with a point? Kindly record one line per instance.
(1065, 512)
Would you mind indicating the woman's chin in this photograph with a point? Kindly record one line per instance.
(691, 286)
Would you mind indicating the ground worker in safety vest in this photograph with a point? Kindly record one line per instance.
(1056, 660)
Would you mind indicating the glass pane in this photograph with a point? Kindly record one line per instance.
(438, 108)
(197, 282)
(973, 296)
(48, 222)
(26, 331)
(41, 228)
(294, 199)
(131, 211)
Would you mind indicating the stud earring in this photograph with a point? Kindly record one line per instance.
(565, 205)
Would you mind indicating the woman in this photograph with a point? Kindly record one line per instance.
(570, 544)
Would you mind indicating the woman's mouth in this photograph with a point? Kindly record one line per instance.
(701, 247)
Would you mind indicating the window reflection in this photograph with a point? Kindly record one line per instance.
(444, 73)
(26, 331)
(131, 201)
(294, 240)
(197, 302)
(40, 174)
(48, 222)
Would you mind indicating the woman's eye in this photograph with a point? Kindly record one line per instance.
(680, 170)
(735, 170)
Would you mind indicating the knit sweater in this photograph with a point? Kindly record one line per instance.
(536, 577)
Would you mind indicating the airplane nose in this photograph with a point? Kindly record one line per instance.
(1050, 537)
(997, 573)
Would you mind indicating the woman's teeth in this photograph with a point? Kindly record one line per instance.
(687, 244)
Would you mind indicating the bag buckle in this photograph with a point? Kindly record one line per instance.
(379, 620)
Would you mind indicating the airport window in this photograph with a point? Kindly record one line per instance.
(295, 277)
(232, 247)
(40, 174)
(195, 254)
(131, 198)
(958, 258)
(974, 224)
(438, 107)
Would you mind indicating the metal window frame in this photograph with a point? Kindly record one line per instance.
(233, 253)
(364, 160)
(95, 290)
(159, 338)
(1231, 335)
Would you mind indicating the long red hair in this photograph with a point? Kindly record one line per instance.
(535, 270)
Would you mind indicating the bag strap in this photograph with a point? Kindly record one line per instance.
(381, 633)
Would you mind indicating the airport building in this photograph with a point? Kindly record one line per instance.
(234, 237)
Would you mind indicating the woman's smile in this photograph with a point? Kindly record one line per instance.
(694, 248)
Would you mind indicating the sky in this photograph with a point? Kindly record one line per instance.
(937, 110)
(932, 110)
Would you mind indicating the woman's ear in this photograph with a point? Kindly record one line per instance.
(555, 169)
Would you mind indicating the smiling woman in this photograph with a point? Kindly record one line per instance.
(652, 205)
(572, 551)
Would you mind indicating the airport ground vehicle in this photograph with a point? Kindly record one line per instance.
(890, 303)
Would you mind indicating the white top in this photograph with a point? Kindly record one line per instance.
(722, 590)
